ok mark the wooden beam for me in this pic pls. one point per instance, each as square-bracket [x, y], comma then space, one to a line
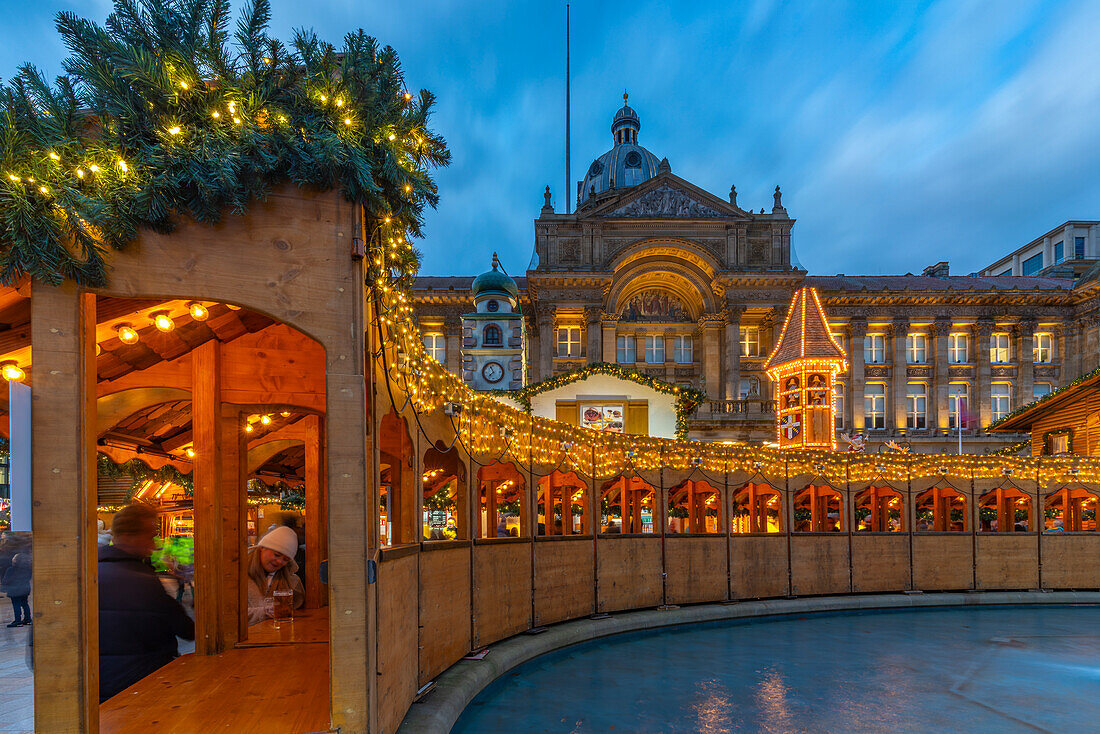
[207, 428]
[315, 512]
[63, 518]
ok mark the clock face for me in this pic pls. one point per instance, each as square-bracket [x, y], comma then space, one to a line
[492, 306]
[492, 372]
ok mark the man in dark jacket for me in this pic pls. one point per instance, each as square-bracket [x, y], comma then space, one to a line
[138, 621]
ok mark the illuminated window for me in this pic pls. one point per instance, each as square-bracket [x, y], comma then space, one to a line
[682, 346]
[874, 406]
[1000, 399]
[1041, 390]
[1000, 350]
[569, 341]
[491, 336]
[627, 352]
[839, 391]
[1044, 347]
[916, 405]
[874, 348]
[958, 347]
[436, 346]
[655, 349]
[958, 404]
[916, 349]
[750, 341]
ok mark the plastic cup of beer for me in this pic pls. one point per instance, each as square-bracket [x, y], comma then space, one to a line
[282, 604]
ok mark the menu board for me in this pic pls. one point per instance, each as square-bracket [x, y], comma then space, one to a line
[603, 417]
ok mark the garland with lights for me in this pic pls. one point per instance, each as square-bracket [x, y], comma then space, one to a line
[139, 473]
[163, 113]
[687, 398]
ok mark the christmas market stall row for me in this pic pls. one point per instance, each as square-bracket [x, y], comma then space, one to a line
[206, 250]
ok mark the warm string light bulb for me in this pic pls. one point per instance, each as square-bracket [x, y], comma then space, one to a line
[127, 334]
[163, 321]
[265, 420]
[190, 453]
[11, 371]
[198, 311]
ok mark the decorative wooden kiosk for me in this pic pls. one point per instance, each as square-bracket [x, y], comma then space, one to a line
[804, 365]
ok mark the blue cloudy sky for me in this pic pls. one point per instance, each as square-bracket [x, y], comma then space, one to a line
[902, 133]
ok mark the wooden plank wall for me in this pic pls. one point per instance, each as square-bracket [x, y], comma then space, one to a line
[397, 638]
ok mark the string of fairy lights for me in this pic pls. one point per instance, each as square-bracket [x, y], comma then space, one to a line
[489, 429]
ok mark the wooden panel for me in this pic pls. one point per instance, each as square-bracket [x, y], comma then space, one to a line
[444, 610]
[211, 489]
[567, 412]
[819, 564]
[564, 580]
[880, 562]
[1069, 561]
[1007, 561]
[502, 591]
[63, 474]
[696, 569]
[259, 689]
[397, 639]
[943, 562]
[758, 566]
[637, 417]
[628, 573]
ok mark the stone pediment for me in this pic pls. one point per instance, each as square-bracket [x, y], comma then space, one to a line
[667, 196]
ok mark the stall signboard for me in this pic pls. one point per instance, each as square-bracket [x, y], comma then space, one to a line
[437, 518]
[603, 417]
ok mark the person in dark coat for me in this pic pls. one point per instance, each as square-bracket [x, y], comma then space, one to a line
[16, 583]
[138, 621]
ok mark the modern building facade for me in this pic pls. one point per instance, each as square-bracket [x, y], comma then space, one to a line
[654, 273]
[1068, 250]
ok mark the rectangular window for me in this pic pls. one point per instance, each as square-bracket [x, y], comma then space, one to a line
[1043, 351]
[1040, 390]
[436, 346]
[1059, 253]
[874, 406]
[627, 351]
[750, 341]
[1033, 264]
[569, 341]
[1079, 248]
[958, 405]
[683, 349]
[1059, 444]
[1007, 272]
[958, 348]
[655, 349]
[916, 405]
[1000, 350]
[1000, 400]
[916, 349]
[874, 349]
[838, 396]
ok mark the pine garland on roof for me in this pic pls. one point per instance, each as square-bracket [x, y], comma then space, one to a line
[164, 112]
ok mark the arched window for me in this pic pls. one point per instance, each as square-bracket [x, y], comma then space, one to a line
[491, 336]
[817, 510]
[1071, 510]
[1004, 510]
[757, 508]
[879, 510]
[561, 504]
[940, 510]
[694, 507]
[628, 505]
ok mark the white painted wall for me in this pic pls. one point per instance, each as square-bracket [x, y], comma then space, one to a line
[662, 406]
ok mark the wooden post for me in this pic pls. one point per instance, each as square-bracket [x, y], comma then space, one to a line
[315, 511]
[232, 483]
[208, 495]
[66, 650]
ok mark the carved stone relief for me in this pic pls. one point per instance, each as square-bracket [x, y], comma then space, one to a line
[569, 251]
[665, 201]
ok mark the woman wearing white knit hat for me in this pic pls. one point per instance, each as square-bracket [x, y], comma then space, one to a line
[271, 568]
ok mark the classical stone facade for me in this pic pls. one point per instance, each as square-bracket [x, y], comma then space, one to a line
[689, 287]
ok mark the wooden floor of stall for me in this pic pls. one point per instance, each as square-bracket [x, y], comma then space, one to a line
[281, 688]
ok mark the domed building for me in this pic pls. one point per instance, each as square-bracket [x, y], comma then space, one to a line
[655, 274]
[625, 165]
[492, 336]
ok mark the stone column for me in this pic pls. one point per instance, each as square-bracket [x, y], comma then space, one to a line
[899, 380]
[980, 337]
[710, 326]
[732, 367]
[940, 418]
[595, 336]
[855, 352]
[546, 341]
[610, 323]
[1025, 370]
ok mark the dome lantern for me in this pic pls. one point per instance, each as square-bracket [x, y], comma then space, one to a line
[625, 165]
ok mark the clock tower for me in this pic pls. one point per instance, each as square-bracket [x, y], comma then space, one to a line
[493, 335]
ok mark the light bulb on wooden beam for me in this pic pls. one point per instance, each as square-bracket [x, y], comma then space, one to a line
[11, 371]
[127, 334]
[198, 311]
[163, 321]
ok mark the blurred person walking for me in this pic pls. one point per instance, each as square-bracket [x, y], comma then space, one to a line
[16, 583]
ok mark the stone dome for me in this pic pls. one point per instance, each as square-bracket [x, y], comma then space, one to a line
[495, 282]
[627, 164]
